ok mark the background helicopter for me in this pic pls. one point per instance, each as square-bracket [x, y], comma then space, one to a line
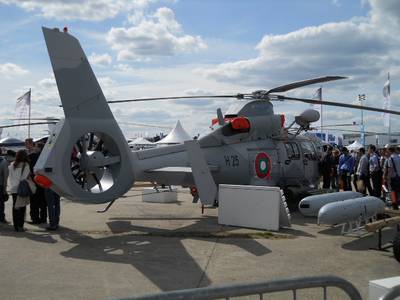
[87, 157]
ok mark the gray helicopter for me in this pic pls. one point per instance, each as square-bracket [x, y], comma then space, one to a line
[87, 158]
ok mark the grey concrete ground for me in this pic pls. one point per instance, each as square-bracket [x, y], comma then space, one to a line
[139, 248]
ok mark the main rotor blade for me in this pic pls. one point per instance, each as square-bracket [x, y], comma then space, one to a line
[353, 131]
[34, 119]
[297, 84]
[27, 124]
[240, 96]
[331, 103]
[336, 125]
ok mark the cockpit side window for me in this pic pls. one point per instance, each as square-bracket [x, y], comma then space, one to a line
[292, 150]
[296, 151]
[308, 151]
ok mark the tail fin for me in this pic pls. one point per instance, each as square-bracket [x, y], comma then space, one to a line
[86, 157]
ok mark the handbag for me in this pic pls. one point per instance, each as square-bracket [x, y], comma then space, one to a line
[21, 201]
[24, 189]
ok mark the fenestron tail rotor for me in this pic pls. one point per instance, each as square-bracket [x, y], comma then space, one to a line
[91, 163]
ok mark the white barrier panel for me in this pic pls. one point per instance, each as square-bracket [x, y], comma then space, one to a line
[249, 206]
[165, 195]
[378, 288]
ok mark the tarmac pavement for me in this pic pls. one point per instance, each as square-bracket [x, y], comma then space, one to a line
[140, 248]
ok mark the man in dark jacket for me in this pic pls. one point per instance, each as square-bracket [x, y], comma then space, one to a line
[38, 206]
[375, 171]
[326, 168]
[3, 182]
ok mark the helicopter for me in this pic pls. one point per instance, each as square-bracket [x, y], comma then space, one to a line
[87, 158]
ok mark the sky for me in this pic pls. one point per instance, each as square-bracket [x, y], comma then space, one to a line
[159, 48]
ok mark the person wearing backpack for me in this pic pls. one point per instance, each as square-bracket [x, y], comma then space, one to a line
[375, 171]
[345, 168]
[392, 174]
[17, 172]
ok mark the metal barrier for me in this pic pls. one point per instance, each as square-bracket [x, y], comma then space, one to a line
[261, 288]
[392, 294]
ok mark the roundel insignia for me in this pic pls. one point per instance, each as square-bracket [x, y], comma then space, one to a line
[262, 165]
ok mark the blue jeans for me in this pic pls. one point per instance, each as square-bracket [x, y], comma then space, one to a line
[2, 214]
[53, 206]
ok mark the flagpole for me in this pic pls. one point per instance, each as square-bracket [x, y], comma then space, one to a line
[390, 119]
[321, 107]
[29, 115]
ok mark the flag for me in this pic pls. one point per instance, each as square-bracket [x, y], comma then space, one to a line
[386, 102]
[22, 105]
[318, 107]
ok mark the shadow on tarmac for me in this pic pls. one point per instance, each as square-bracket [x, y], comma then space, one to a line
[43, 237]
[370, 241]
[334, 230]
[159, 254]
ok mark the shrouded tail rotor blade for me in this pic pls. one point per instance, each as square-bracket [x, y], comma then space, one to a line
[79, 145]
[97, 181]
[84, 142]
[339, 104]
[99, 145]
[76, 167]
[91, 140]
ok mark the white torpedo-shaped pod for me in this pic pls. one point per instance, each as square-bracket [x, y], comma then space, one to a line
[310, 206]
[350, 210]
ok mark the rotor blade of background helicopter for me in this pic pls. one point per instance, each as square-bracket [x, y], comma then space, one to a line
[297, 84]
[176, 98]
[331, 103]
[145, 125]
[27, 124]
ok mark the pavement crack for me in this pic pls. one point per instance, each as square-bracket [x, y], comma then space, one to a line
[208, 262]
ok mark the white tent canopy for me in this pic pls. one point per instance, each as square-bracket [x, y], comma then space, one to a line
[354, 146]
[177, 135]
[140, 141]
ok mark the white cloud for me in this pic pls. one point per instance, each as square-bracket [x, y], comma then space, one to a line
[359, 48]
[10, 70]
[124, 68]
[157, 35]
[88, 10]
[387, 12]
[102, 60]
[108, 85]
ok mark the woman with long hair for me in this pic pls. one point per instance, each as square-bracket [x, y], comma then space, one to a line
[18, 171]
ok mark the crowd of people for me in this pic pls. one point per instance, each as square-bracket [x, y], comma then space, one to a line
[373, 171]
[17, 168]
